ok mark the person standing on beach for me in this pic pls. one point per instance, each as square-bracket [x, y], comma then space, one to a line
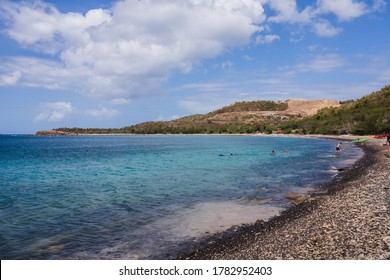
[388, 139]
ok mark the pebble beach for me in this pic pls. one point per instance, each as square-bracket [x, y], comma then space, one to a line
[349, 218]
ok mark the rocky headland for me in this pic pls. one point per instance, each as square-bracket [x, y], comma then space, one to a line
[53, 133]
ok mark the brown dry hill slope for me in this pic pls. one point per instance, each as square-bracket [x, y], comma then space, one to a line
[304, 107]
[294, 108]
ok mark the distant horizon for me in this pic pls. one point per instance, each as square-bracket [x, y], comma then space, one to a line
[107, 63]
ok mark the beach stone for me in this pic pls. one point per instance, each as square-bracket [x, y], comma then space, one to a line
[386, 256]
[386, 240]
[361, 257]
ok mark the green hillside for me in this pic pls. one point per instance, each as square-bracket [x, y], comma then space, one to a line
[367, 115]
[250, 106]
[240, 117]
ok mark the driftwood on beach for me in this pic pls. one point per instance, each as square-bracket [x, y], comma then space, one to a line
[348, 219]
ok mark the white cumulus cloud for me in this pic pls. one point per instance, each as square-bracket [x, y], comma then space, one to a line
[316, 14]
[324, 28]
[45, 29]
[129, 49]
[287, 11]
[266, 39]
[344, 9]
[54, 112]
[133, 47]
[10, 79]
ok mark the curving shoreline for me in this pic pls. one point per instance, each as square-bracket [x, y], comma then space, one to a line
[349, 218]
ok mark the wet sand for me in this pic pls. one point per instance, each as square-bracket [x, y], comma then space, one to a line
[349, 218]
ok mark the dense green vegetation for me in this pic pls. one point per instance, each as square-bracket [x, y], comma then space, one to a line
[368, 115]
[250, 106]
[195, 128]
[77, 130]
[201, 123]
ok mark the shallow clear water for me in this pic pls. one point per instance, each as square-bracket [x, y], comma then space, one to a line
[142, 196]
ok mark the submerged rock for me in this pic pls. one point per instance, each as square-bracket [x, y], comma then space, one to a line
[296, 198]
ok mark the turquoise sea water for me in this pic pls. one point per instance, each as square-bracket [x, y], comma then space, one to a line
[140, 197]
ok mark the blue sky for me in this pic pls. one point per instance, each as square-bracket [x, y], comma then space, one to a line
[116, 63]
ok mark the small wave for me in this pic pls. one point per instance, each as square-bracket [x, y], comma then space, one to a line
[6, 202]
